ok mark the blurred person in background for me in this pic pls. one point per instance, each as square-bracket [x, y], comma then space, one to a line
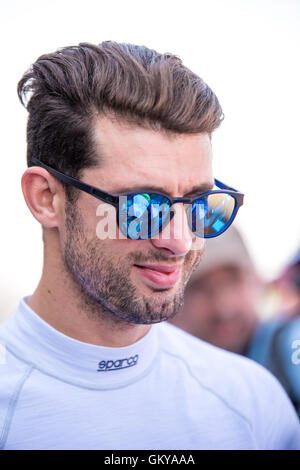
[222, 306]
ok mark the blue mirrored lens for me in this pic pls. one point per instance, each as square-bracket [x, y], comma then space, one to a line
[143, 215]
[212, 215]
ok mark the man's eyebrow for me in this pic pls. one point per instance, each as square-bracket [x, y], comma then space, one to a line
[202, 188]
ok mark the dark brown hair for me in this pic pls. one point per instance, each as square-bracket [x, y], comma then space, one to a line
[63, 92]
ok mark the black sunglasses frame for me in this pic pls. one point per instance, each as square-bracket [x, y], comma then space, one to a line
[113, 199]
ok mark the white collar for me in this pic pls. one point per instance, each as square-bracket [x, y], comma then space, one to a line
[88, 365]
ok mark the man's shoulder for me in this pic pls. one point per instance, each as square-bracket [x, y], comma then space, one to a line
[13, 374]
[214, 365]
[200, 353]
[12, 367]
[243, 385]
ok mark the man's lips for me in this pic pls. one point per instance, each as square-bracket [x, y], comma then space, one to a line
[160, 267]
[160, 275]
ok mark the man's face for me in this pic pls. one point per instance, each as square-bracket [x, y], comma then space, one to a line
[219, 307]
[109, 272]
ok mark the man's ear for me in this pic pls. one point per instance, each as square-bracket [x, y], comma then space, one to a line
[43, 195]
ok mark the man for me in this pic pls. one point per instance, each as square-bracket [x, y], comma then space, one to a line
[91, 362]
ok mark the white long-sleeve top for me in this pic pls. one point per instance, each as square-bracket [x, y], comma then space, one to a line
[169, 390]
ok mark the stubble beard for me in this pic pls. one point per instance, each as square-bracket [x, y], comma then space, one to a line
[105, 285]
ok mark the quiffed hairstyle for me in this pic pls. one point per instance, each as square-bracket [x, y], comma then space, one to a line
[64, 92]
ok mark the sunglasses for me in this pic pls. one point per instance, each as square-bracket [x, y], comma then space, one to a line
[142, 215]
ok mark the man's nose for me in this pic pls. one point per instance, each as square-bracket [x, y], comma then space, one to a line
[176, 235]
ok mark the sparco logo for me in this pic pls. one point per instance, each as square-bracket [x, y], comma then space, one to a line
[104, 366]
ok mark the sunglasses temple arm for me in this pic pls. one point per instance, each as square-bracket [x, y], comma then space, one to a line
[221, 185]
[103, 196]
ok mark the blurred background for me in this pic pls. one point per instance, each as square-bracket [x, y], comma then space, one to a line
[248, 53]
